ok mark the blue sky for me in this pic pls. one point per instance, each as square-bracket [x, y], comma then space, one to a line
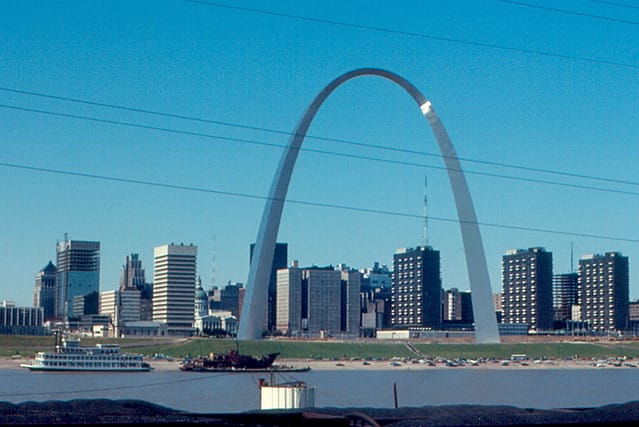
[555, 112]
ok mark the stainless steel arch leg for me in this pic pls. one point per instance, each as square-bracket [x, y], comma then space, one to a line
[254, 308]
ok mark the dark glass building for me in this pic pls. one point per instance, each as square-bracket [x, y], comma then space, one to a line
[44, 293]
[526, 277]
[78, 264]
[564, 295]
[417, 289]
[604, 291]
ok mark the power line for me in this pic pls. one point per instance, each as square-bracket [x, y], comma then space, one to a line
[413, 34]
[320, 138]
[304, 202]
[106, 389]
[614, 3]
[315, 150]
[569, 12]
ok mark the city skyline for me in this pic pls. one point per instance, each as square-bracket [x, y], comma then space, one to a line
[541, 112]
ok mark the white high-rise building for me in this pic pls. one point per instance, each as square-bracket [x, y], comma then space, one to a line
[174, 274]
[108, 304]
[289, 300]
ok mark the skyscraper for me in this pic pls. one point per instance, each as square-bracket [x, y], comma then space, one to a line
[45, 290]
[564, 295]
[526, 277]
[78, 273]
[132, 274]
[289, 300]
[174, 276]
[280, 260]
[316, 300]
[350, 320]
[321, 290]
[417, 288]
[603, 291]
[132, 279]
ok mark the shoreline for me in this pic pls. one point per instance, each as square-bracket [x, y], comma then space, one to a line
[8, 363]
[100, 412]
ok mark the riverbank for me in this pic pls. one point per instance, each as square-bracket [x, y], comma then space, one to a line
[117, 412]
[405, 364]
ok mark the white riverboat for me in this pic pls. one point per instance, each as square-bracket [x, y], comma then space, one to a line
[70, 356]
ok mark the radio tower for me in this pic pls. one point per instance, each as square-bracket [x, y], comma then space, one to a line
[425, 231]
[213, 266]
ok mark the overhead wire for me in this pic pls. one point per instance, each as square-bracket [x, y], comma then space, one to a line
[614, 3]
[412, 34]
[317, 204]
[568, 12]
[321, 138]
[102, 389]
[309, 203]
[313, 150]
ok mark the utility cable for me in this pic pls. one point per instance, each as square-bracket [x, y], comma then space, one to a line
[569, 12]
[614, 3]
[413, 34]
[307, 203]
[321, 138]
[105, 389]
[314, 150]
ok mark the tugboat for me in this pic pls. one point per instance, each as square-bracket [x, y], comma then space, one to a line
[233, 361]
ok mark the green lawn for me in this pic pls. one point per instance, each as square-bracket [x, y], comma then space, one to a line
[28, 345]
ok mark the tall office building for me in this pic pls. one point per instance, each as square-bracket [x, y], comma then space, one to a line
[564, 295]
[526, 277]
[350, 320]
[121, 307]
[321, 288]
[133, 278]
[108, 305]
[316, 300]
[604, 291]
[44, 293]
[174, 276]
[417, 288]
[132, 274]
[280, 260]
[458, 307]
[16, 320]
[78, 264]
[289, 300]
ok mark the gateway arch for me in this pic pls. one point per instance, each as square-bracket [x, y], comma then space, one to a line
[254, 306]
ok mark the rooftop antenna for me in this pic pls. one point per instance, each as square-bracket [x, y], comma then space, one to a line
[572, 262]
[213, 265]
[425, 231]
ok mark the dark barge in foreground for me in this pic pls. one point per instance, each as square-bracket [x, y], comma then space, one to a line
[236, 362]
